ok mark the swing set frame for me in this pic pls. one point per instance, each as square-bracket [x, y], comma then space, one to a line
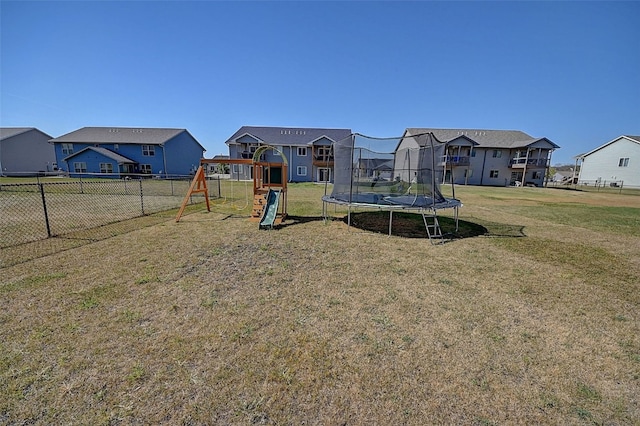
[261, 180]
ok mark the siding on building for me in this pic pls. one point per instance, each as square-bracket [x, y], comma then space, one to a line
[25, 150]
[617, 160]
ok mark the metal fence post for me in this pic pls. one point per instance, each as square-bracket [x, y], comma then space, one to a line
[44, 207]
[141, 197]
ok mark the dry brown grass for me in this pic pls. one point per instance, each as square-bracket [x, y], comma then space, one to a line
[211, 321]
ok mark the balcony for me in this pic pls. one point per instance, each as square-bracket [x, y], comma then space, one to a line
[248, 155]
[522, 162]
[454, 160]
[321, 160]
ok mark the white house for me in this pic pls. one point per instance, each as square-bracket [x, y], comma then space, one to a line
[617, 161]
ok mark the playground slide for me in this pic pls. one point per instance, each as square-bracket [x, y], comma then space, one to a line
[271, 209]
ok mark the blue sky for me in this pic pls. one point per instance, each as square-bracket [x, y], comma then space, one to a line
[568, 71]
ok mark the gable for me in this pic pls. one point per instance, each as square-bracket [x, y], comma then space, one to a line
[9, 132]
[120, 159]
[323, 140]
[620, 139]
[462, 140]
[247, 138]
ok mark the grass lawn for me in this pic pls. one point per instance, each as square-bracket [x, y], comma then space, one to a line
[531, 315]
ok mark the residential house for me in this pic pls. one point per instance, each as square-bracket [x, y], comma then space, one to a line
[122, 151]
[25, 151]
[563, 176]
[307, 150]
[490, 157]
[617, 162]
[218, 166]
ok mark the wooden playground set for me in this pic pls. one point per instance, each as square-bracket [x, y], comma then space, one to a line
[269, 187]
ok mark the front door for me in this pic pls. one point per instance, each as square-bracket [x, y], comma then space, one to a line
[324, 174]
[516, 177]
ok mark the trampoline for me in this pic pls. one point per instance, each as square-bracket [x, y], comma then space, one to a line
[402, 173]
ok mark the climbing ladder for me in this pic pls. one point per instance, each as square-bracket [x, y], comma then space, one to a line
[259, 203]
[432, 225]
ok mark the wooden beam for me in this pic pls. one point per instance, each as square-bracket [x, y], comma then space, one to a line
[198, 184]
[226, 161]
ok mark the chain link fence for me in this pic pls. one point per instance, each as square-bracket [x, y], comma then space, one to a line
[47, 217]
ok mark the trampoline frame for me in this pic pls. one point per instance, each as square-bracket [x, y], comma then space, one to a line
[425, 212]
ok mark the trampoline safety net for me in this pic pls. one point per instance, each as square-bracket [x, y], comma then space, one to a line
[403, 172]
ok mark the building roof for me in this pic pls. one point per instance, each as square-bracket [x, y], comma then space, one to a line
[484, 138]
[120, 135]
[9, 132]
[220, 157]
[635, 139]
[121, 159]
[289, 135]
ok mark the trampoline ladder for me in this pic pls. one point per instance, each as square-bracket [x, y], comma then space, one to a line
[433, 228]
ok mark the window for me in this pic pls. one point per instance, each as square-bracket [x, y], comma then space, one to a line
[80, 167]
[537, 175]
[116, 147]
[493, 174]
[302, 152]
[106, 168]
[148, 150]
[145, 168]
[624, 162]
[301, 170]
[324, 153]
[497, 154]
[468, 173]
[67, 148]
[473, 153]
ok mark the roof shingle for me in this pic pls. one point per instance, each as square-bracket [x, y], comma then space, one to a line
[121, 135]
[289, 135]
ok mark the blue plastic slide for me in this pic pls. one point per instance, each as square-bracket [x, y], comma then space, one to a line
[270, 210]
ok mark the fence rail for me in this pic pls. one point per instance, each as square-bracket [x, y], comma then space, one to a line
[596, 185]
[36, 211]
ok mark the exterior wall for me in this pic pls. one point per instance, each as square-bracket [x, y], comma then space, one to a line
[406, 155]
[483, 163]
[603, 163]
[299, 163]
[28, 152]
[293, 159]
[183, 154]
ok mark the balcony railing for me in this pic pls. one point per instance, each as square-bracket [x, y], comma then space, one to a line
[455, 160]
[323, 158]
[247, 155]
[521, 162]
